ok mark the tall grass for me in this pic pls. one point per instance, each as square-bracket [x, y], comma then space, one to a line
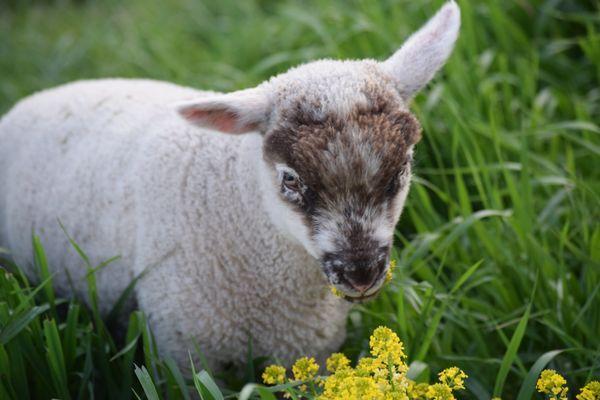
[54, 348]
[499, 246]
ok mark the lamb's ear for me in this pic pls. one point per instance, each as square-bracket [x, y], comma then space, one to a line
[237, 112]
[425, 51]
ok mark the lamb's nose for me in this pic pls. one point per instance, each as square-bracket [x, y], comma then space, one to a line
[361, 287]
[364, 275]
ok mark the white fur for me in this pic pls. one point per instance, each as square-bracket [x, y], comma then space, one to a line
[288, 222]
[198, 210]
[187, 204]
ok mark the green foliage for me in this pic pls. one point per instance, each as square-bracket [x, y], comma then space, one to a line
[57, 349]
[505, 195]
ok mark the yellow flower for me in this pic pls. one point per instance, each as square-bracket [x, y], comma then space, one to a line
[453, 377]
[349, 387]
[366, 366]
[380, 377]
[362, 388]
[305, 368]
[336, 292]
[417, 391]
[552, 384]
[591, 391]
[439, 391]
[386, 346]
[337, 361]
[390, 272]
[333, 384]
[274, 375]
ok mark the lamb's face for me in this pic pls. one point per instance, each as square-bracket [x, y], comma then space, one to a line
[338, 142]
[340, 174]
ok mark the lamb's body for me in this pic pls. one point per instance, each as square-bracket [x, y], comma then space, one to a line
[240, 233]
[127, 176]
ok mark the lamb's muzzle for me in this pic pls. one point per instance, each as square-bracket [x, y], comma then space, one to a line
[358, 273]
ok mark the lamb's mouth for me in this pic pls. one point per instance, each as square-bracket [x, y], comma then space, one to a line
[362, 298]
[369, 294]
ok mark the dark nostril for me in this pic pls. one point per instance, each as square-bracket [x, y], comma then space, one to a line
[362, 279]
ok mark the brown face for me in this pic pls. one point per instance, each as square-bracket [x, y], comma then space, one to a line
[347, 179]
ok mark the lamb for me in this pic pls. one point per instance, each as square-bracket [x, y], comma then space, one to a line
[242, 213]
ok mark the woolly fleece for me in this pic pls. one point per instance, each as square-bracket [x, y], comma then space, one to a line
[125, 175]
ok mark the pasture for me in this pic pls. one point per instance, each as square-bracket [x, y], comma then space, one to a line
[498, 249]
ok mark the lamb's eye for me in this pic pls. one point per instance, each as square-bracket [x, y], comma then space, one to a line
[290, 181]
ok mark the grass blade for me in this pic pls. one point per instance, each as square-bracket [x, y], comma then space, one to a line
[14, 327]
[206, 386]
[173, 369]
[249, 389]
[147, 383]
[56, 359]
[511, 353]
[42, 263]
[435, 321]
[131, 345]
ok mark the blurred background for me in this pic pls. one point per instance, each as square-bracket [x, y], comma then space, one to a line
[499, 246]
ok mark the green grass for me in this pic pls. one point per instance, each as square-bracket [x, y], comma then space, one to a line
[499, 246]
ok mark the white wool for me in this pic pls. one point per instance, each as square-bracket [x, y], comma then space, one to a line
[183, 202]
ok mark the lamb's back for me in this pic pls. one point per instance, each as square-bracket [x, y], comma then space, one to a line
[72, 154]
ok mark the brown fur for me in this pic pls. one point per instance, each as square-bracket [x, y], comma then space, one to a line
[303, 142]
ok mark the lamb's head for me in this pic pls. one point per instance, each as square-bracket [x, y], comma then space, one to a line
[337, 149]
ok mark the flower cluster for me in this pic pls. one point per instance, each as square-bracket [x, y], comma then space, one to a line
[305, 369]
[382, 376]
[274, 375]
[336, 362]
[591, 391]
[390, 272]
[453, 377]
[554, 386]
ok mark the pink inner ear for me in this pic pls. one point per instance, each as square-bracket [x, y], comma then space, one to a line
[222, 120]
